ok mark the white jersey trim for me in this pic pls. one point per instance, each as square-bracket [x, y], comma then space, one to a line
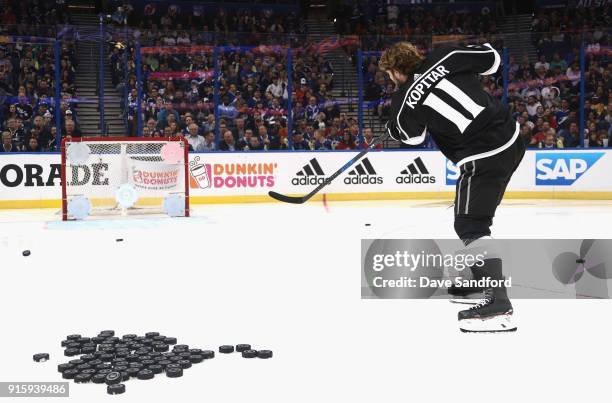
[492, 152]
[496, 62]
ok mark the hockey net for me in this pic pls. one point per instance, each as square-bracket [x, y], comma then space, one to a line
[124, 176]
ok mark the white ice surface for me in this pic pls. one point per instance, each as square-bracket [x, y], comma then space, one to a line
[287, 278]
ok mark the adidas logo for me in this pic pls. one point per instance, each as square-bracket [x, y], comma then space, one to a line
[363, 174]
[415, 172]
[310, 174]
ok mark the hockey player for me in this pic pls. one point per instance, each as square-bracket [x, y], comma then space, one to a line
[442, 95]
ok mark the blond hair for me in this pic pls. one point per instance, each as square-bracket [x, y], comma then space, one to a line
[403, 57]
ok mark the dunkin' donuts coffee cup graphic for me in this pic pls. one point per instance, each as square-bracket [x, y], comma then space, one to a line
[200, 177]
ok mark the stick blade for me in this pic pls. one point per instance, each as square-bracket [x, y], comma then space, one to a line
[286, 199]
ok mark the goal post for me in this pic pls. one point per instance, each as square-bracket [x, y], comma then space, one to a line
[124, 176]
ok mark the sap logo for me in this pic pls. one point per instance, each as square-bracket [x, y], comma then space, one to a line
[563, 169]
[452, 173]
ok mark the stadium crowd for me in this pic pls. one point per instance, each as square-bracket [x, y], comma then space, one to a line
[27, 78]
[253, 82]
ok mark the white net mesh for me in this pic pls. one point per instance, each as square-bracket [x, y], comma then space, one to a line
[97, 169]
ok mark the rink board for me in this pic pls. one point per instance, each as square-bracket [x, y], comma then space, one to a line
[33, 180]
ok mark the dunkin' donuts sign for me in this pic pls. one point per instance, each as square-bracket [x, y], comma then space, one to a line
[231, 175]
[153, 175]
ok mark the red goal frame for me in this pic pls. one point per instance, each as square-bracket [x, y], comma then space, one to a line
[118, 140]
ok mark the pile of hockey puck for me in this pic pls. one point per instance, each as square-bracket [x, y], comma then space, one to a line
[107, 359]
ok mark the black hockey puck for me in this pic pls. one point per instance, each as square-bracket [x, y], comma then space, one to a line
[71, 352]
[264, 353]
[156, 368]
[113, 378]
[41, 357]
[26, 252]
[242, 347]
[105, 371]
[173, 365]
[98, 378]
[184, 364]
[115, 389]
[196, 358]
[146, 363]
[226, 349]
[164, 363]
[107, 333]
[73, 337]
[83, 367]
[89, 371]
[180, 347]
[70, 373]
[132, 372]
[82, 378]
[145, 374]
[170, 340]
[367, 224]
[88, 350]
[64, 367]
[174, 372]
[208, 354]
[150, 335]
[97, 339]
[88, 357]
[119, 239]
[249, 353]
[129, 336]
[77, 361]
[160, 347]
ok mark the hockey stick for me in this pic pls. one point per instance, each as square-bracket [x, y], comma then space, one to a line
[305, 198]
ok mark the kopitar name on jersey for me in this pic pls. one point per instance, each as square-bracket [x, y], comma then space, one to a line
[415, 172]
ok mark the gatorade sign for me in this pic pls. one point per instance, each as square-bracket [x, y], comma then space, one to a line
[563, 169]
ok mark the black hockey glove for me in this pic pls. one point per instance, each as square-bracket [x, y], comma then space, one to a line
[395, 133]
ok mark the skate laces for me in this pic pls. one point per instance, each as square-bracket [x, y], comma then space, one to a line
[486, 300]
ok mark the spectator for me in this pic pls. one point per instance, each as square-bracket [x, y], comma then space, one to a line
[228, 143]
[347, 142]
[320, 141]
[209, 142]
[550, 140]
[193, 138]
[368, 139]
[255, 144]
[269, 142]
[299, 143]
[33, 145]
[70, 129]
[15, 128]
[7, 143]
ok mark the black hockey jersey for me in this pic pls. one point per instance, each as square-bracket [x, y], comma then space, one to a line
[446, 99]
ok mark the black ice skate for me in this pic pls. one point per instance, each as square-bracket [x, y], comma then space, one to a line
[465, 295]
[492, 314]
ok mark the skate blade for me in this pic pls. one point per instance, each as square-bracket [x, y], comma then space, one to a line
[494, 324]
[465, 301]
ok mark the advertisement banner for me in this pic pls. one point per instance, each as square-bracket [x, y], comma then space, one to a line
[241, 176]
